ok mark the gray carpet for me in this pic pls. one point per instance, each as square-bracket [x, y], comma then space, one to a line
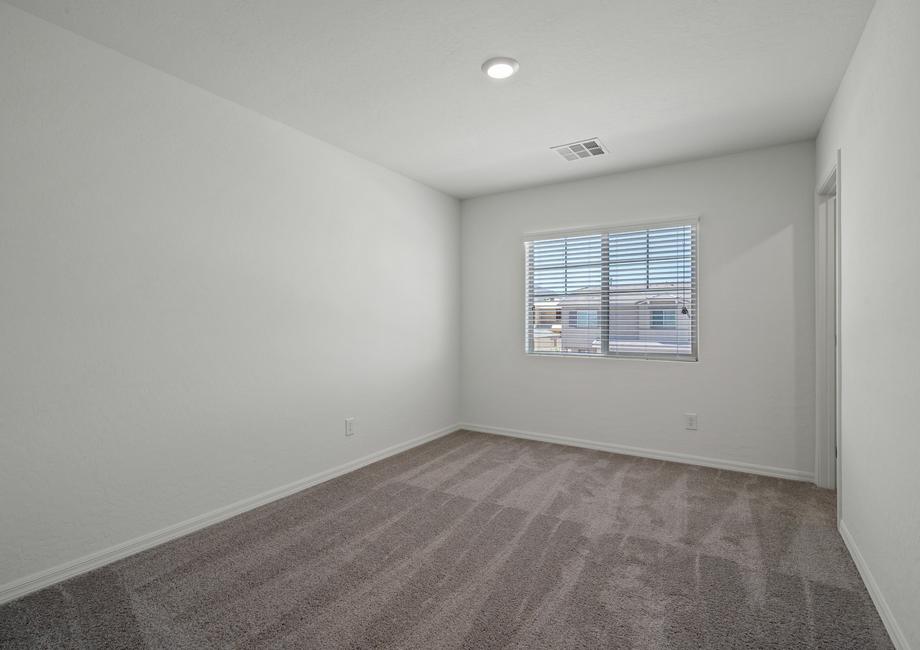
[479, 541]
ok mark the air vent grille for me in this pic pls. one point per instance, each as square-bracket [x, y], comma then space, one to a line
[582, 149]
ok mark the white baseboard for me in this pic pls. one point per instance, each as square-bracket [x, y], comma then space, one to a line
[898, 638]
[735, 466]
[22, 586]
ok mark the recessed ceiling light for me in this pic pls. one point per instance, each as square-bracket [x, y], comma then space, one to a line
[500, 67]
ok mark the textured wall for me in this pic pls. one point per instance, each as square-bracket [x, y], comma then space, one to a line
[873, 121]
[753, 387]
[193, 297]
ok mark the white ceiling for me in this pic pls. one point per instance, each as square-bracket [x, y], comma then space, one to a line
[399, 81]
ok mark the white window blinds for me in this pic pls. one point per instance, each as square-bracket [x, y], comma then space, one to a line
[619, 292]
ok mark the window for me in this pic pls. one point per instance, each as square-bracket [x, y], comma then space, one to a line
[624, 292]
[583, 319]
[663, 319]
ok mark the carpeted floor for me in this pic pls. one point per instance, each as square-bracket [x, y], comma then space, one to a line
[479, 541]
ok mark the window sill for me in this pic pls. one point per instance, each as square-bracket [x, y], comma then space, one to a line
[617, 357]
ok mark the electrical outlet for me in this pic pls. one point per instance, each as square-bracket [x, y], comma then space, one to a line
[349, 426]
[690, 421]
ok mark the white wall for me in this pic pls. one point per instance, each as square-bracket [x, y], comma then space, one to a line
[875, 121]
[193, 297]
[753, 387]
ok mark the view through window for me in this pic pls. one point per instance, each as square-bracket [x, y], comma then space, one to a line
[617, 292]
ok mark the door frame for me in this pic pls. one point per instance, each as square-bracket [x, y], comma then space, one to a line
[828, 443]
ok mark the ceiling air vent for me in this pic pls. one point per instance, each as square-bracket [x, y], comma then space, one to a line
[582, 149]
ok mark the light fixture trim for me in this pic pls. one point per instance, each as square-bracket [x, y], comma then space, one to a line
[500, 67]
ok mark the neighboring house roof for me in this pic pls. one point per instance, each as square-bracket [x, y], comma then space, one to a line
[544, 292]
[584, 296]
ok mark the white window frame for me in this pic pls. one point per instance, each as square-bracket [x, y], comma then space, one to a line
[530, 237]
